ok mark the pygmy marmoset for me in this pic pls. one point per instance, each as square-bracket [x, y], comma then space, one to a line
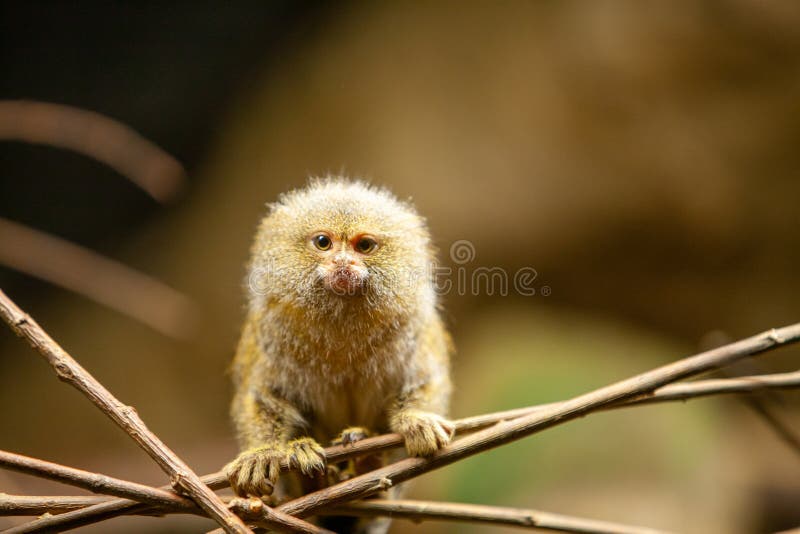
[343, 336]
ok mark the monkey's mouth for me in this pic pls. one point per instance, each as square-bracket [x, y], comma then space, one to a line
[345, 281]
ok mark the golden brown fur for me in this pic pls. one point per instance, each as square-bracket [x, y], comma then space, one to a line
[313, 360]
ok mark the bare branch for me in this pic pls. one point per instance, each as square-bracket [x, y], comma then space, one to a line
[506, 432]
[98, 278]
[21, 505]
[95, 513]
[425, 510]
[100, 509]
[26, 505]
[704, 388]
[17, 505]
[672, 392]
[68, 370]
[255, 509]
[96, 136]
[94, 482]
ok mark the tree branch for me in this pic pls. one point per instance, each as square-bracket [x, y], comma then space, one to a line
[94, 482]
[21, 505]
[668, 393]
[96, 509]
[425, 510]
[16, 505]
[255, 509]
[641, 385]
[95, 513]
[70, 371]
[672, 392]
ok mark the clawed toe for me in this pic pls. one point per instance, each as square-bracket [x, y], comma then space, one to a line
[351, 435]
[306, 455]
[255, 471]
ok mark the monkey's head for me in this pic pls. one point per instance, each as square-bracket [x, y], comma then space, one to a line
[339, 241]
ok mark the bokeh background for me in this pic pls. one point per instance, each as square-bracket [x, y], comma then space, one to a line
[641, 156]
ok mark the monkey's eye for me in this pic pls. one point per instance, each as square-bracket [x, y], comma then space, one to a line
[321, 241]
[366, 245]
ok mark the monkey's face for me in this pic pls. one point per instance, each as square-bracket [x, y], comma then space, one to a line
[342, 243]
[341, 265]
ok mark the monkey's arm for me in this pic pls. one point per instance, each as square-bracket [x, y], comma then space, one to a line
[418, 411]
[265, 424]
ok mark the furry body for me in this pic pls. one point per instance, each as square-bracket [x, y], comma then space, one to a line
[337, 337]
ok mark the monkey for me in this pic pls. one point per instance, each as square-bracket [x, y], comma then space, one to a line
[343, 336]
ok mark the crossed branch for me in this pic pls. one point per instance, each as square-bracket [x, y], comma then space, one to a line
[189, 493]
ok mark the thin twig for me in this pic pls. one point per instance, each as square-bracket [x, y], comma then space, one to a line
[96, 136]
[93, 482]
[506, 432]
[21, 505]
[78, 518]
[337, 453]
[68, 370]
[18, 505]
[100, 509]
[426, 510]
[103, 280]
[256, 510]
[671, 392]
[91, 514]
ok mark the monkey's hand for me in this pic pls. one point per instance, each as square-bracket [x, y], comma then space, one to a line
[424, 432]
[255, 471]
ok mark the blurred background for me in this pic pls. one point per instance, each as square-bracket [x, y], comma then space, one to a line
[642, 157]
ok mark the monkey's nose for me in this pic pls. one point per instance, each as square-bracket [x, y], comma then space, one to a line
[345, 280]
[342, 260]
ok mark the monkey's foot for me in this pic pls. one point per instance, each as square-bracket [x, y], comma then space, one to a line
[350, 435]
[306, 455]
[424, 432]
[255, 471]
